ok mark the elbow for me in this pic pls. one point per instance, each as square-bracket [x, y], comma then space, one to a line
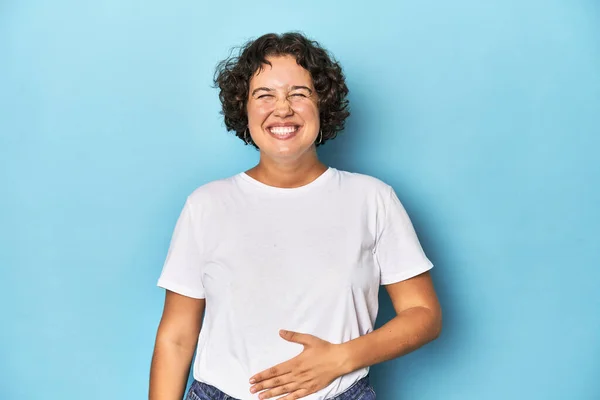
[438, 325]
[437, 330]
[435, 323]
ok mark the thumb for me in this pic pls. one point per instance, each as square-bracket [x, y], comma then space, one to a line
[296, 337]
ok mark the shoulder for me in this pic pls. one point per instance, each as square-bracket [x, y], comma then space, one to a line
[212, 191]
[366, 184]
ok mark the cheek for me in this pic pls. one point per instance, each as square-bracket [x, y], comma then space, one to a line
[308, 112]
[257, 113]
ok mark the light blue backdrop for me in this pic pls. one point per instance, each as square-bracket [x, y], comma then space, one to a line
[484, 116]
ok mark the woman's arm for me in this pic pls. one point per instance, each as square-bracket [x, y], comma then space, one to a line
[176, 341]
[418, 321]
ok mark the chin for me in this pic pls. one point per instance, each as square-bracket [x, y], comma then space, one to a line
[289, 151]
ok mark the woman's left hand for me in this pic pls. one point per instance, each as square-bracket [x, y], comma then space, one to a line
[310, 371]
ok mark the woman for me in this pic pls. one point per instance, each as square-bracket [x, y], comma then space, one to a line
[287, 258]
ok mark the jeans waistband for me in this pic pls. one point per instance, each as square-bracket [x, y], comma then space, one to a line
[204, 391]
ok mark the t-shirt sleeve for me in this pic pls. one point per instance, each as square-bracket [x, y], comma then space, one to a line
[182, 270]
[398, 252]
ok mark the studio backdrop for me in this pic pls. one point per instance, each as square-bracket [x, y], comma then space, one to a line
[483, 116]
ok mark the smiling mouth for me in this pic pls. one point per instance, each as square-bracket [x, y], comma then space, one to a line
[283, 130]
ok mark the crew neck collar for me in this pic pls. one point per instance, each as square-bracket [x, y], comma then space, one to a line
[314, 183]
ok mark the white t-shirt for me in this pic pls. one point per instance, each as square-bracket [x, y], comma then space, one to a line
[307, 259]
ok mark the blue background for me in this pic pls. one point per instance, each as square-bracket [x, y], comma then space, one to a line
[483, 115]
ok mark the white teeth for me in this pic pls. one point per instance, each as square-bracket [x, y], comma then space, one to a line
[283, 130]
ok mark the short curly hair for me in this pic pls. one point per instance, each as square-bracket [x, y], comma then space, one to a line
[232, 78]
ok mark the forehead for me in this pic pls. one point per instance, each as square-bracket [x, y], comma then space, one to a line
[283, 72]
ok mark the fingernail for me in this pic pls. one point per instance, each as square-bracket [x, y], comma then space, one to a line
[252, 381]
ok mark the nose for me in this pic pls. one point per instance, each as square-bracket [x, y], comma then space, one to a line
[283, 107]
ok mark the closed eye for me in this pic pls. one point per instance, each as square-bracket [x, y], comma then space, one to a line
[264, 95]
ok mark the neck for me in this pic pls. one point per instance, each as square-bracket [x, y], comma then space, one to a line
[288, 173]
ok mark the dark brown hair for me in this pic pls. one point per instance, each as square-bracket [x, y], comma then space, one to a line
[233, 75]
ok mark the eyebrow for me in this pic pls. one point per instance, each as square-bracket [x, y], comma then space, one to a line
[271, 90]
[261, 88]
[302, 87]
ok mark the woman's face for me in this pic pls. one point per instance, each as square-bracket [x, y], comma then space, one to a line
[283, 112]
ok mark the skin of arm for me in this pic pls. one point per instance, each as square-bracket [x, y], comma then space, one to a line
[176, 340]
[418, 321]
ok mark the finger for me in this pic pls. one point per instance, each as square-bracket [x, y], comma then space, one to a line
[298, 394]
[296, 337]
[277, 382]
[278, 370]
[282, 389]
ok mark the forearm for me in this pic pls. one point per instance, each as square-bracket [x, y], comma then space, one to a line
[406, 332]
[169, 370]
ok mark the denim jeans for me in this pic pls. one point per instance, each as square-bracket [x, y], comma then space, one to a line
[361, 390]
